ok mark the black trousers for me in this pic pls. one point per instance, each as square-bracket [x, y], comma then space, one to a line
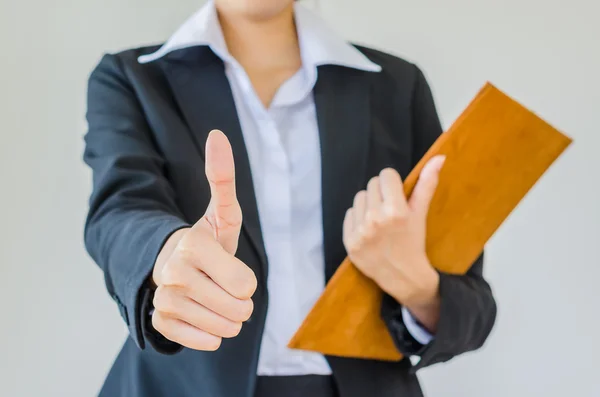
[296, 386]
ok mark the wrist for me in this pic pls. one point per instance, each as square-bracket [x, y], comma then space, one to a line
[423, 302]
[426, 292]
[423, 290]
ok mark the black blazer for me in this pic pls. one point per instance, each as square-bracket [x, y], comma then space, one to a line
[147, 129]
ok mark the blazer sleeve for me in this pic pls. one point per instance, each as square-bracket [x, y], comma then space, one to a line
[468, 308]
[132, 208]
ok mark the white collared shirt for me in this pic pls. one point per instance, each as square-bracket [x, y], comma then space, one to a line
[283, 147]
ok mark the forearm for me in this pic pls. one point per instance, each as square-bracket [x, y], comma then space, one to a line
[126, 244]
[427, 314]
[467, 315]
[467, 312]
[424, 303]
[133, 208]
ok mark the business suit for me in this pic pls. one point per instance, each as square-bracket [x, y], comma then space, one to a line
[148, 124]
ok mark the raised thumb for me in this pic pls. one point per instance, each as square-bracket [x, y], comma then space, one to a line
[224, 212]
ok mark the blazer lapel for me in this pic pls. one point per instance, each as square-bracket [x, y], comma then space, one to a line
[204, 95]
[342, 103]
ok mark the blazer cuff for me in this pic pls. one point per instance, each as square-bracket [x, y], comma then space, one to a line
[137, 292]
[151, 335]
[467, 314]
[420, 333]
[442, 348]
[405, 341]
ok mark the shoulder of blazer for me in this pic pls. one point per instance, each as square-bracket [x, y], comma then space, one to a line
[131, 55]
[129, 58]
[396, 72]
[124, 65]
[190, 56]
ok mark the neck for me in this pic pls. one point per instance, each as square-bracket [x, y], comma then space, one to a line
[267, 43]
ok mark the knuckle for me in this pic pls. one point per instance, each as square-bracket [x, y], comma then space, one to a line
[354, 247]
[367, 232]
[401, 216]
[175, 272]
[346, 239]
[158, 296]
[170, 274]
[394, 215]
[389, 172]
[373, 182]
[360, 196]
[349, 213]
[160, 325]
[157, 322]
[373, 219]
[186, 254]
[187, 244]
[164, 300]
[352, 251]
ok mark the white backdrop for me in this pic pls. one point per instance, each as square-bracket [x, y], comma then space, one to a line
[59, 329]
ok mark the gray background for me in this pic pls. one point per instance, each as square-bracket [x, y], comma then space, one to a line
[59, 329]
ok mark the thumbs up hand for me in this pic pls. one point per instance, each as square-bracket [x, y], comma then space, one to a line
[203, 291]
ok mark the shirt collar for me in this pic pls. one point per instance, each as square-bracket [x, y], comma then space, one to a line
[318, 44]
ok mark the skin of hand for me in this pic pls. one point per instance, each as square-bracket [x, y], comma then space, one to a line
[385, 235]
[203, 291]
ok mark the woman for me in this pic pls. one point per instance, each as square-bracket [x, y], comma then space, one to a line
[316, 136]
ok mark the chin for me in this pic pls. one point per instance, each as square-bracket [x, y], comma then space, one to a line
[254, 9]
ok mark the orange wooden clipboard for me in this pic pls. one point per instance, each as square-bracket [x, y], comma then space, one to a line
[496, 151]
